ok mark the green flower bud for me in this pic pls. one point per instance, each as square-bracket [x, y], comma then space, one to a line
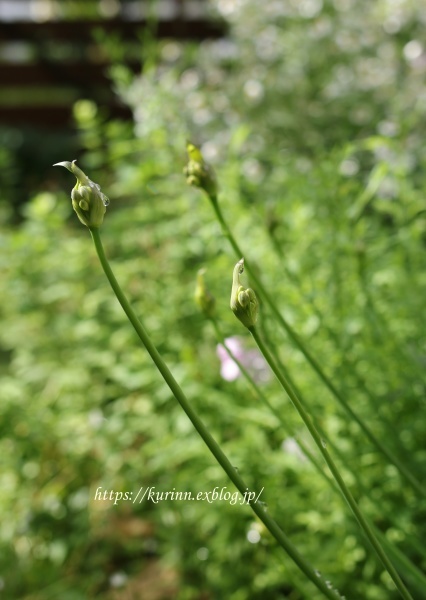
[203, 298]
[244, 303]
[87, 199]
[198, 172]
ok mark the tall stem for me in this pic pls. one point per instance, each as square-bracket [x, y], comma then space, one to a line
[416, 576]
[409, 477]
[322, 446]
[211, 443]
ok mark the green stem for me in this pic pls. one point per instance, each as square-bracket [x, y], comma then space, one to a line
[393, 518]
[321, 443]
[311, 359]
[415, 575]
[211, 443]
[246, 374]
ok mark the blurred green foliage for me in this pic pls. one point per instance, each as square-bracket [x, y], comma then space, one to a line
[313, 116]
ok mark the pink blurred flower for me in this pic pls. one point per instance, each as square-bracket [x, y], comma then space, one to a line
[251, 359]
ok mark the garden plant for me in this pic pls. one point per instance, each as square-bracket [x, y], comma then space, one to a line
[295, 372]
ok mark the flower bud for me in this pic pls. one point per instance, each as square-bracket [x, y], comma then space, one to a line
[198, 172]
[87, 199]
[204, 299]
[244, 303]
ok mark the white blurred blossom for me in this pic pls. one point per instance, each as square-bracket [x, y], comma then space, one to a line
[251, 359]
[290, 446]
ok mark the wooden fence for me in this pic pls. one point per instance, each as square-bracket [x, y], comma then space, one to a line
[38, 84]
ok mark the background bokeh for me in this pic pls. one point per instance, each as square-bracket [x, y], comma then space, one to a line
[312, 113]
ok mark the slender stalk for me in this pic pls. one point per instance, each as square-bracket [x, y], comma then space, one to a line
[249, 379]
[246, 374]
[416, 576]
[409, 477]
[211, 443]
[322, 446]
[393, 518]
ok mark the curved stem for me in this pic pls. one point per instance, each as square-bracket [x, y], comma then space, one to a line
[211, 443]
[416, 576]
[322, 446]
[409, 477]
[246, 374]
[393, 518]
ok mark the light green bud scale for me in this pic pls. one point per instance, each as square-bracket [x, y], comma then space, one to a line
[244, 303]
[87, 199]
[198, 172]
[203, 298]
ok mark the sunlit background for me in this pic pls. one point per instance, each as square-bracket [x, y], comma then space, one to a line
[312, 113]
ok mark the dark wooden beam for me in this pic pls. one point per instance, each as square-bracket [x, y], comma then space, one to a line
[57, 73]
[78, 30]
[54, 117]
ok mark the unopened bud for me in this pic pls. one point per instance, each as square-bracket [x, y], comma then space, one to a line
[244, 303]
[87, 199]
[204, 299]
[198, 172]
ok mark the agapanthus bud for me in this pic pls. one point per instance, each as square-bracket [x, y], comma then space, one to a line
[204, 299]
[198, 172]
[87, 199]
[244, 303]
